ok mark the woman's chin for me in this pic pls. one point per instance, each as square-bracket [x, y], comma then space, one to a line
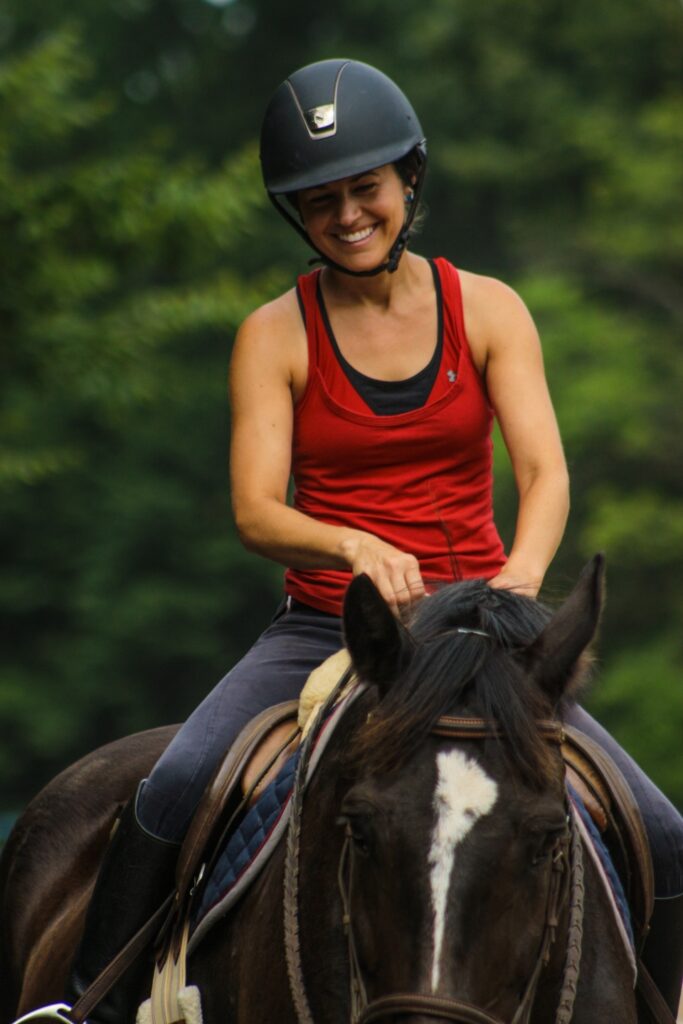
[358, 259]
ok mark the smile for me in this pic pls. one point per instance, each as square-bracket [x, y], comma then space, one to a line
[356, 236]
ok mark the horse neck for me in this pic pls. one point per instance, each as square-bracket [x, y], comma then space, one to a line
[605, 990]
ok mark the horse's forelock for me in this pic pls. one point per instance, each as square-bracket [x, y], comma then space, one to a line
[454, 671]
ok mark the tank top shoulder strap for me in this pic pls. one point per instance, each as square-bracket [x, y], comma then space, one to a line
[455, 337]
[306, 293]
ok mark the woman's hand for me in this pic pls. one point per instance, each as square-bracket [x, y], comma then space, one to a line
[395, 574]
[520, 582]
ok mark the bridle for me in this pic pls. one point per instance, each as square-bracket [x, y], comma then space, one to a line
[566, 881]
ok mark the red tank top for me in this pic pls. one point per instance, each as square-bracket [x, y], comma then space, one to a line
[420, 480]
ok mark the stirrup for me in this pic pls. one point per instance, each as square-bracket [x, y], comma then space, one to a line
[53, 1011]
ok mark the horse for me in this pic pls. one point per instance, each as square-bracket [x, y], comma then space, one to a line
[434, 840]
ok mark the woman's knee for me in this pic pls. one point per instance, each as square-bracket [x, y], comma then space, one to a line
[168, 799]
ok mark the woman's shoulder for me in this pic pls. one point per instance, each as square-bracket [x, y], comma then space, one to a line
[494, 312]
[488, 292]
[275, 329]
[279, 316]
[273, 335]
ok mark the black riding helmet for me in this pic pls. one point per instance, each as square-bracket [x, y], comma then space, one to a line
[332, 120]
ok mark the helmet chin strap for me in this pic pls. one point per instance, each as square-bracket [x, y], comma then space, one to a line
[397, 249]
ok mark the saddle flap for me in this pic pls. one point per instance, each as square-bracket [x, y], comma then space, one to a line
[625, 833]
[277, 746]
[224, 787]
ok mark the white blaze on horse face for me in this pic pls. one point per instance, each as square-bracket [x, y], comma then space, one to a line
[463, 794]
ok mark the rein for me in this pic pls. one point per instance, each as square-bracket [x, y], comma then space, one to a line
[566, 857]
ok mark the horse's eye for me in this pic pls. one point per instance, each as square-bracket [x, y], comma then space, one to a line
[544, 843]
[358, 830]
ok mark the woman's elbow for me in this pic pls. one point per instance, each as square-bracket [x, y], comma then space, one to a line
[258, 522]
[558, 489]
[562, 479]
[247, 521]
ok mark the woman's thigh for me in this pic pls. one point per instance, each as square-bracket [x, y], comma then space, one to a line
[273, 670]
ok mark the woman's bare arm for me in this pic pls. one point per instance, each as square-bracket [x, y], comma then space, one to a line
[267, 369]
[506, 345]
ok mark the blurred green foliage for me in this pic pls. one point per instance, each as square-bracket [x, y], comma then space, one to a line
[135, 237]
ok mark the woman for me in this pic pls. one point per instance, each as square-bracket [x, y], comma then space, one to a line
[374, 383]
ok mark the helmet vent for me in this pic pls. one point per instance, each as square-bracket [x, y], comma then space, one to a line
[321, 121]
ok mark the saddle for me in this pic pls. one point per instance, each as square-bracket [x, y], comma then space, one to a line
[254, 757]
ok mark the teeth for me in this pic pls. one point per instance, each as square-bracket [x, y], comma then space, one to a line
[357, 236]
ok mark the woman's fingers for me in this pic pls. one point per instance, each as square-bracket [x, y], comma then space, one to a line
[395, 573]
[407, 585]
[415, 584]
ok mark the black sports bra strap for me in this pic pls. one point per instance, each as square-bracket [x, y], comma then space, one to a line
[302, 307]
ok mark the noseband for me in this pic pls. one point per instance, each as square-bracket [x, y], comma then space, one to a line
[566, 875]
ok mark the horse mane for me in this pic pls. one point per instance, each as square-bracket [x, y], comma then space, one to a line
[454, 672]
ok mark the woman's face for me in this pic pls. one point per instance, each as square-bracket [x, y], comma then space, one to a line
[355, 221]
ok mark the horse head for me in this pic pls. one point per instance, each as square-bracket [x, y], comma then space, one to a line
[452, 843]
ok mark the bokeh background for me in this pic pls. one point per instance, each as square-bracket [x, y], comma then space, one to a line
[134, 236]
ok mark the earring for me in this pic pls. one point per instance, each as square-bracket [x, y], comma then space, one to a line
[410, 196]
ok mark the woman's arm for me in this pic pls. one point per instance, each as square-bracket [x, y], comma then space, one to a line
[268, 370]
[506, 346]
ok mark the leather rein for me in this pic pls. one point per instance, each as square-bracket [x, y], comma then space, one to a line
[566, 876]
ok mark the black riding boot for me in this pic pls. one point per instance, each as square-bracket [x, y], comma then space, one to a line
[663, 952]
[136, 875]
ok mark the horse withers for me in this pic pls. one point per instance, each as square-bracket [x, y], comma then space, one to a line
[436, 864]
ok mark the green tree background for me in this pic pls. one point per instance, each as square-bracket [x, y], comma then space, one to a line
[135, 237]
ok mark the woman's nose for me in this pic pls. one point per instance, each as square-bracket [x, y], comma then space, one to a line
[347, 210]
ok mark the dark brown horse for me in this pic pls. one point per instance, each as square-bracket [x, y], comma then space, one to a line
[454, 846]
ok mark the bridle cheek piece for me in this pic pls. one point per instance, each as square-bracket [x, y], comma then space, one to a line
[566, 876]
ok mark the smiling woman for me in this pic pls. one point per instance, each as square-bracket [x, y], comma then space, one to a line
[374, 383]
[364, 123]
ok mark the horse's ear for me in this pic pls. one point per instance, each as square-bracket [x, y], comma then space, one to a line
[379, 645]
[553, 658]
